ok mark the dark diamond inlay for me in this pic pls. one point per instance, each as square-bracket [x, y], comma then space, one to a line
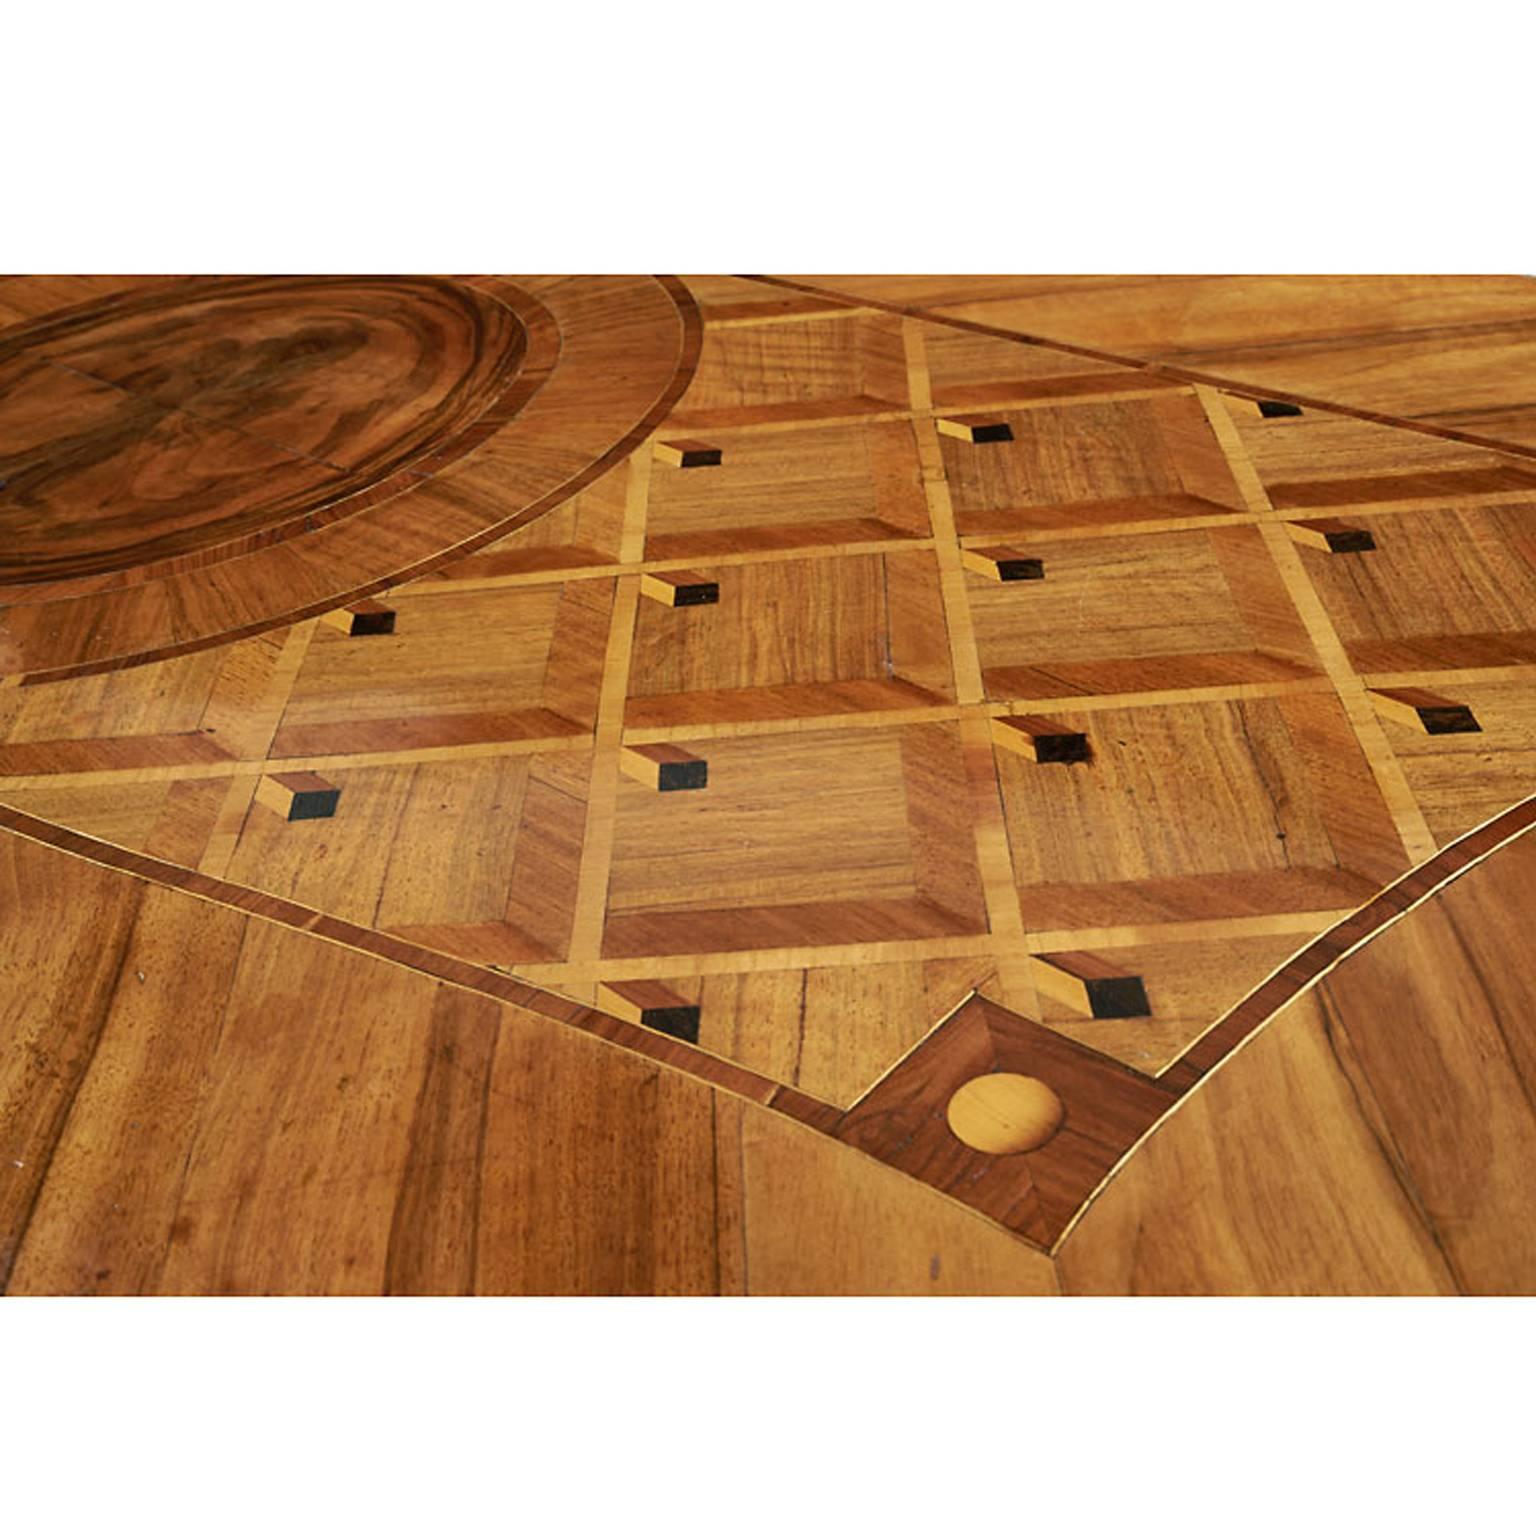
[313, 804]
[1351, 541]
[683, 775]
[1448, 719]
[681, 1023]
[1118, 997]
[1071, 747]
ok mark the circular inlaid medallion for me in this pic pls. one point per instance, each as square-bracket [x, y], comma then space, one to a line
[178, 417]
[190, 462]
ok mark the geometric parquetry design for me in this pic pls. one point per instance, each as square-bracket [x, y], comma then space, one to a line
[851, 891]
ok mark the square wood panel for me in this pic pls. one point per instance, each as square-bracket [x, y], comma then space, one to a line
[1198, 811]
[585, 531]
[1449, 587]
[161, 698]
[805, 838]
[841, 365]
[794, 638]
[1315, 460]
[968, 369]
[536, 672]
[785, 490]
[1461, 780]
[1105, 461]
[1140, 613]
[478, 856]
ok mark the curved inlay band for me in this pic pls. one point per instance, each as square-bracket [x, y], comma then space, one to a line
[178, 417]
[985, 1182]
[578, 372]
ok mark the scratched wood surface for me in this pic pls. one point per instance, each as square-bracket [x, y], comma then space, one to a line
[799, 693]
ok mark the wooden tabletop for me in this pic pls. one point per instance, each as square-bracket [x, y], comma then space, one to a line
[564, 784]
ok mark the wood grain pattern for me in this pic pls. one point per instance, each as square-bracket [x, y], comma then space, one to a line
[572, 413]
[229, 404]
[1450, 354]
[1390, 1113]
[863, 893]
[282, 1114]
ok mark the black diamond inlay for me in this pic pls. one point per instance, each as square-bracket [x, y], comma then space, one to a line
[1350, 541]
[693, 775]
[1070, 747]
[1118, 997]
[1448, 719]
[681, 1023]
[313, 804]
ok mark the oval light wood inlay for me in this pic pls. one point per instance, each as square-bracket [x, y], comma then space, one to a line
[1004, 1112]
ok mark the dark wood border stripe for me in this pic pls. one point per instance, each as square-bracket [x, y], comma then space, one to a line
[1319, 957]
[665, 1049]
[1154, 370]
[1208, 1052]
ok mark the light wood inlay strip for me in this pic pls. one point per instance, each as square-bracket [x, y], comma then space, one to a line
[1127, 528]
[1447, 677]
[746, 961]
[1215, 694]
[962, 947]
[1255, 497]
[636, 495]
[238, 800]
[1046, 941]
[941, 516]
[831, 310]
[1409, 820]
[603, 795]
[994, 861]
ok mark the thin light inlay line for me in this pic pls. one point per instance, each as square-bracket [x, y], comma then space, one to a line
[1407, 817]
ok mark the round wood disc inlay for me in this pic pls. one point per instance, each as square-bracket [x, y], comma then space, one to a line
[1003, 1112]
[193, 414]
